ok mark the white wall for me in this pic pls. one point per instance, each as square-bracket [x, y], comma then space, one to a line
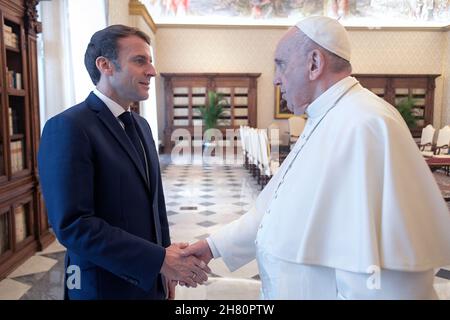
[118, 12]
[52, 87]
[149, 109]
[64, 79]
[251, 49]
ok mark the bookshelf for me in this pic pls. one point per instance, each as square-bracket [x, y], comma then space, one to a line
[24, 227]
[186, 92]
[395, 87]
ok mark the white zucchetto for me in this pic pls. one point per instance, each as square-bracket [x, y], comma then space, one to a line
[328, 33]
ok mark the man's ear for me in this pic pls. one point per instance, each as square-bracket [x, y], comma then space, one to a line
[316, 64]
[104, 65]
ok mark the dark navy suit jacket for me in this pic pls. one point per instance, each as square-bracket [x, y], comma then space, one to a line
[112, 220]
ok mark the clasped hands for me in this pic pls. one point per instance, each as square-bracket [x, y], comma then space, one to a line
[186, 264]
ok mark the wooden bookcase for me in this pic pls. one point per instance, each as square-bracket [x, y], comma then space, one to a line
[395, 87]
[24, 227]
[185, 92]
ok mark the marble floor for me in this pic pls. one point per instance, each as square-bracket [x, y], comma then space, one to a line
[201, 196]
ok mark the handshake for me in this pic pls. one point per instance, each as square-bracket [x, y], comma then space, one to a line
[186, 264]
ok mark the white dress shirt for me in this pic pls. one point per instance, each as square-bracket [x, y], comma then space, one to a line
[115, 108]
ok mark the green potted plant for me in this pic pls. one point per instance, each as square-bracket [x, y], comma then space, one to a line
[212, 111]
[405, 107]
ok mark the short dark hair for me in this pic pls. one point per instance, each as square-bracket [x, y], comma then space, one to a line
[104, 44]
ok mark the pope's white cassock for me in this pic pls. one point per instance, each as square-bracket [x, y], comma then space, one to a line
[353, 197]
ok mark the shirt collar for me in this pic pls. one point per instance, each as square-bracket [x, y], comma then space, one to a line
[113, 106]
[327, 99]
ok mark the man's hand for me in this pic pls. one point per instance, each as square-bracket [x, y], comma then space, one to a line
[187, 269]
[200, 249]
[170, 285]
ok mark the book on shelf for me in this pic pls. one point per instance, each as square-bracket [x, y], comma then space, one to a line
[20, 217]
[2, 164]
[18, 81]
[10, 117]
[14, 79]
[14, 121]
[16, 156]
[11, 39]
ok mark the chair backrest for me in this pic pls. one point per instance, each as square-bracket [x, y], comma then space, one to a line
[265, 152]
[427, 136]
[296, 125]
[273, 134]
[242, 136]
[253, 146]
[443, 140]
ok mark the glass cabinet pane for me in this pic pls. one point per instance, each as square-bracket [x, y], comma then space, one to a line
[2, 157]
[4, 233]
[17, 134]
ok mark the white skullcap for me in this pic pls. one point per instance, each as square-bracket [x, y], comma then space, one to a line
[328, 33]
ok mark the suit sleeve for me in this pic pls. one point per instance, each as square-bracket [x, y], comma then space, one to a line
[67, 169]
[163, 215]
[161, 201]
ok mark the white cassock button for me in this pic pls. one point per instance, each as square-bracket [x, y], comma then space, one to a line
[256, 241]
[260, 226]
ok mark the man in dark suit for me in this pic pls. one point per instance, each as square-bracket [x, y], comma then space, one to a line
[102, 186]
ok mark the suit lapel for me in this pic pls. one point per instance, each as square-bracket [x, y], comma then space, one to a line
[150, 150]
[153, 168]
[116, 130]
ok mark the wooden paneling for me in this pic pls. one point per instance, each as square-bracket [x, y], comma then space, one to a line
[394, 87]
[21, 205]
[185, 92]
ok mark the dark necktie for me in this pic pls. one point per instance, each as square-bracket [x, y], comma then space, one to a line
[132, 133]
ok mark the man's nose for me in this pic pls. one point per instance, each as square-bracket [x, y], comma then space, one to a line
[151, 71]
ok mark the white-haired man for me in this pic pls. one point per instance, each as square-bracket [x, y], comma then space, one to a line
[354, 212]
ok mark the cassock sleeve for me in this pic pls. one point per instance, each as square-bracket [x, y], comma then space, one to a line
[235, 242]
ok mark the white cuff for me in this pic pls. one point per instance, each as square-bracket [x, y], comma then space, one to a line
[213, 248]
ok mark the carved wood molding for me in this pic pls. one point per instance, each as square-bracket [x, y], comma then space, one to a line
[32, 25]
[136, 8]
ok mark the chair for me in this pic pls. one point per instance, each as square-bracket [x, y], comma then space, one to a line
[273, 133]
[252, 151]
[296, 126]
[243, 134]
[267, 165]
[426, 140]
[442, 143]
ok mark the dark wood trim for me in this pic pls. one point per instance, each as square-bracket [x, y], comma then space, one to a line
[391, 82]
[22, 186]
[17, 93]
[209, 81]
